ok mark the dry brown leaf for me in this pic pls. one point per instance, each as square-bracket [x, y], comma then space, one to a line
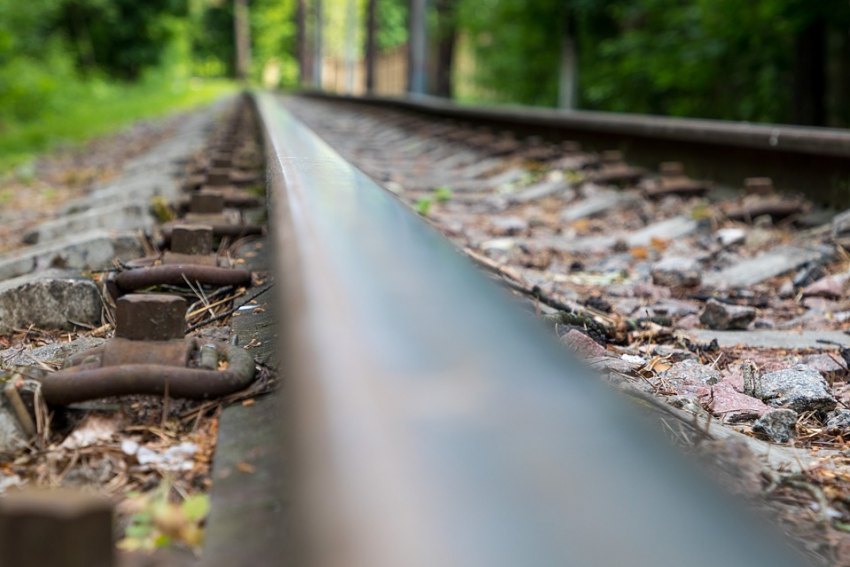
[581, 225]
[640, 253]
[659, 244]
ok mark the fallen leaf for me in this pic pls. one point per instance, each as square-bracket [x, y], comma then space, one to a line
[640, 253]
[246, 468]
[655, 365]
[659, 244]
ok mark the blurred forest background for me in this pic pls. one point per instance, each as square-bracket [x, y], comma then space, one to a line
[71, 67]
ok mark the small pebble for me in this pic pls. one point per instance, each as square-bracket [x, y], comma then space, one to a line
[722, 316]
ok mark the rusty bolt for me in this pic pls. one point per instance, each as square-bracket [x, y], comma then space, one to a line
[194, 239]
[570, 146]
[218, 176]
[60, 528]
[671, 169]
[612, 156]
[221, 160]
[206, 202]
[758, 185]
[150, 317]
[534, 141]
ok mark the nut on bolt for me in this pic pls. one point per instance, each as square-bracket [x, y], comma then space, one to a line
[671, 169]
[192, 239]
[758, 185]
[150, 317]
[218, 176]
[206, 202]
[610, 157]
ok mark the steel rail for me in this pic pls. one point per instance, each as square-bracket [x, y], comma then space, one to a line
[776, 137]
[812, 160]
[434, 423]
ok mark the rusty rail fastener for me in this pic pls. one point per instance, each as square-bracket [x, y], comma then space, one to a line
[56, 528]
[206, 202]
[234, 198]
[671, 169]
[177, 274]
[219, 230]
[218, 176]
[191, 244]
[221, 160]
[89, 381]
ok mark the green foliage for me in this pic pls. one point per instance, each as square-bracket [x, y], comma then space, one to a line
[121, 38]
[443, 194]
[70, 69]
[685, 59]
[517, 46]
[392, 24]
[212, 37]
[706, 58]
[87, 109]
[159, 523]
[423, 206]
[273, 42]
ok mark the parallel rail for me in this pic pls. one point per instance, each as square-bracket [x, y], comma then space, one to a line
[808, 160]
[432, 423]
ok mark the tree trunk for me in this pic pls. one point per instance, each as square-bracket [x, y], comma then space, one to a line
[371, 44]
[838, 77]
[417, 53]
[301, 40]
[446, 41]
[242, 34]
[810, 75]
[350, 44]
[568, 75]
[317, 45]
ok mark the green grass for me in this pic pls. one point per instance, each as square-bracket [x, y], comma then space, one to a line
[95, 109]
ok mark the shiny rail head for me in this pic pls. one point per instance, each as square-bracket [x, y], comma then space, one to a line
[435, 424]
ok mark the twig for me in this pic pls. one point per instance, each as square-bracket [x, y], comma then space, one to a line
[215, 294]
[212, 305]
[199, 292]
[815, 491]
[229, 312]
[165, 404]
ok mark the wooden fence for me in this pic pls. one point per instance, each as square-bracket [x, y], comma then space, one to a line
[390, 74]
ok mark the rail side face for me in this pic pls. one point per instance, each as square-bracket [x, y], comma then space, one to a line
[811, 161]
[434, 424]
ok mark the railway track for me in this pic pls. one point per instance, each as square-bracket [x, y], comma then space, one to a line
[421, 417]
